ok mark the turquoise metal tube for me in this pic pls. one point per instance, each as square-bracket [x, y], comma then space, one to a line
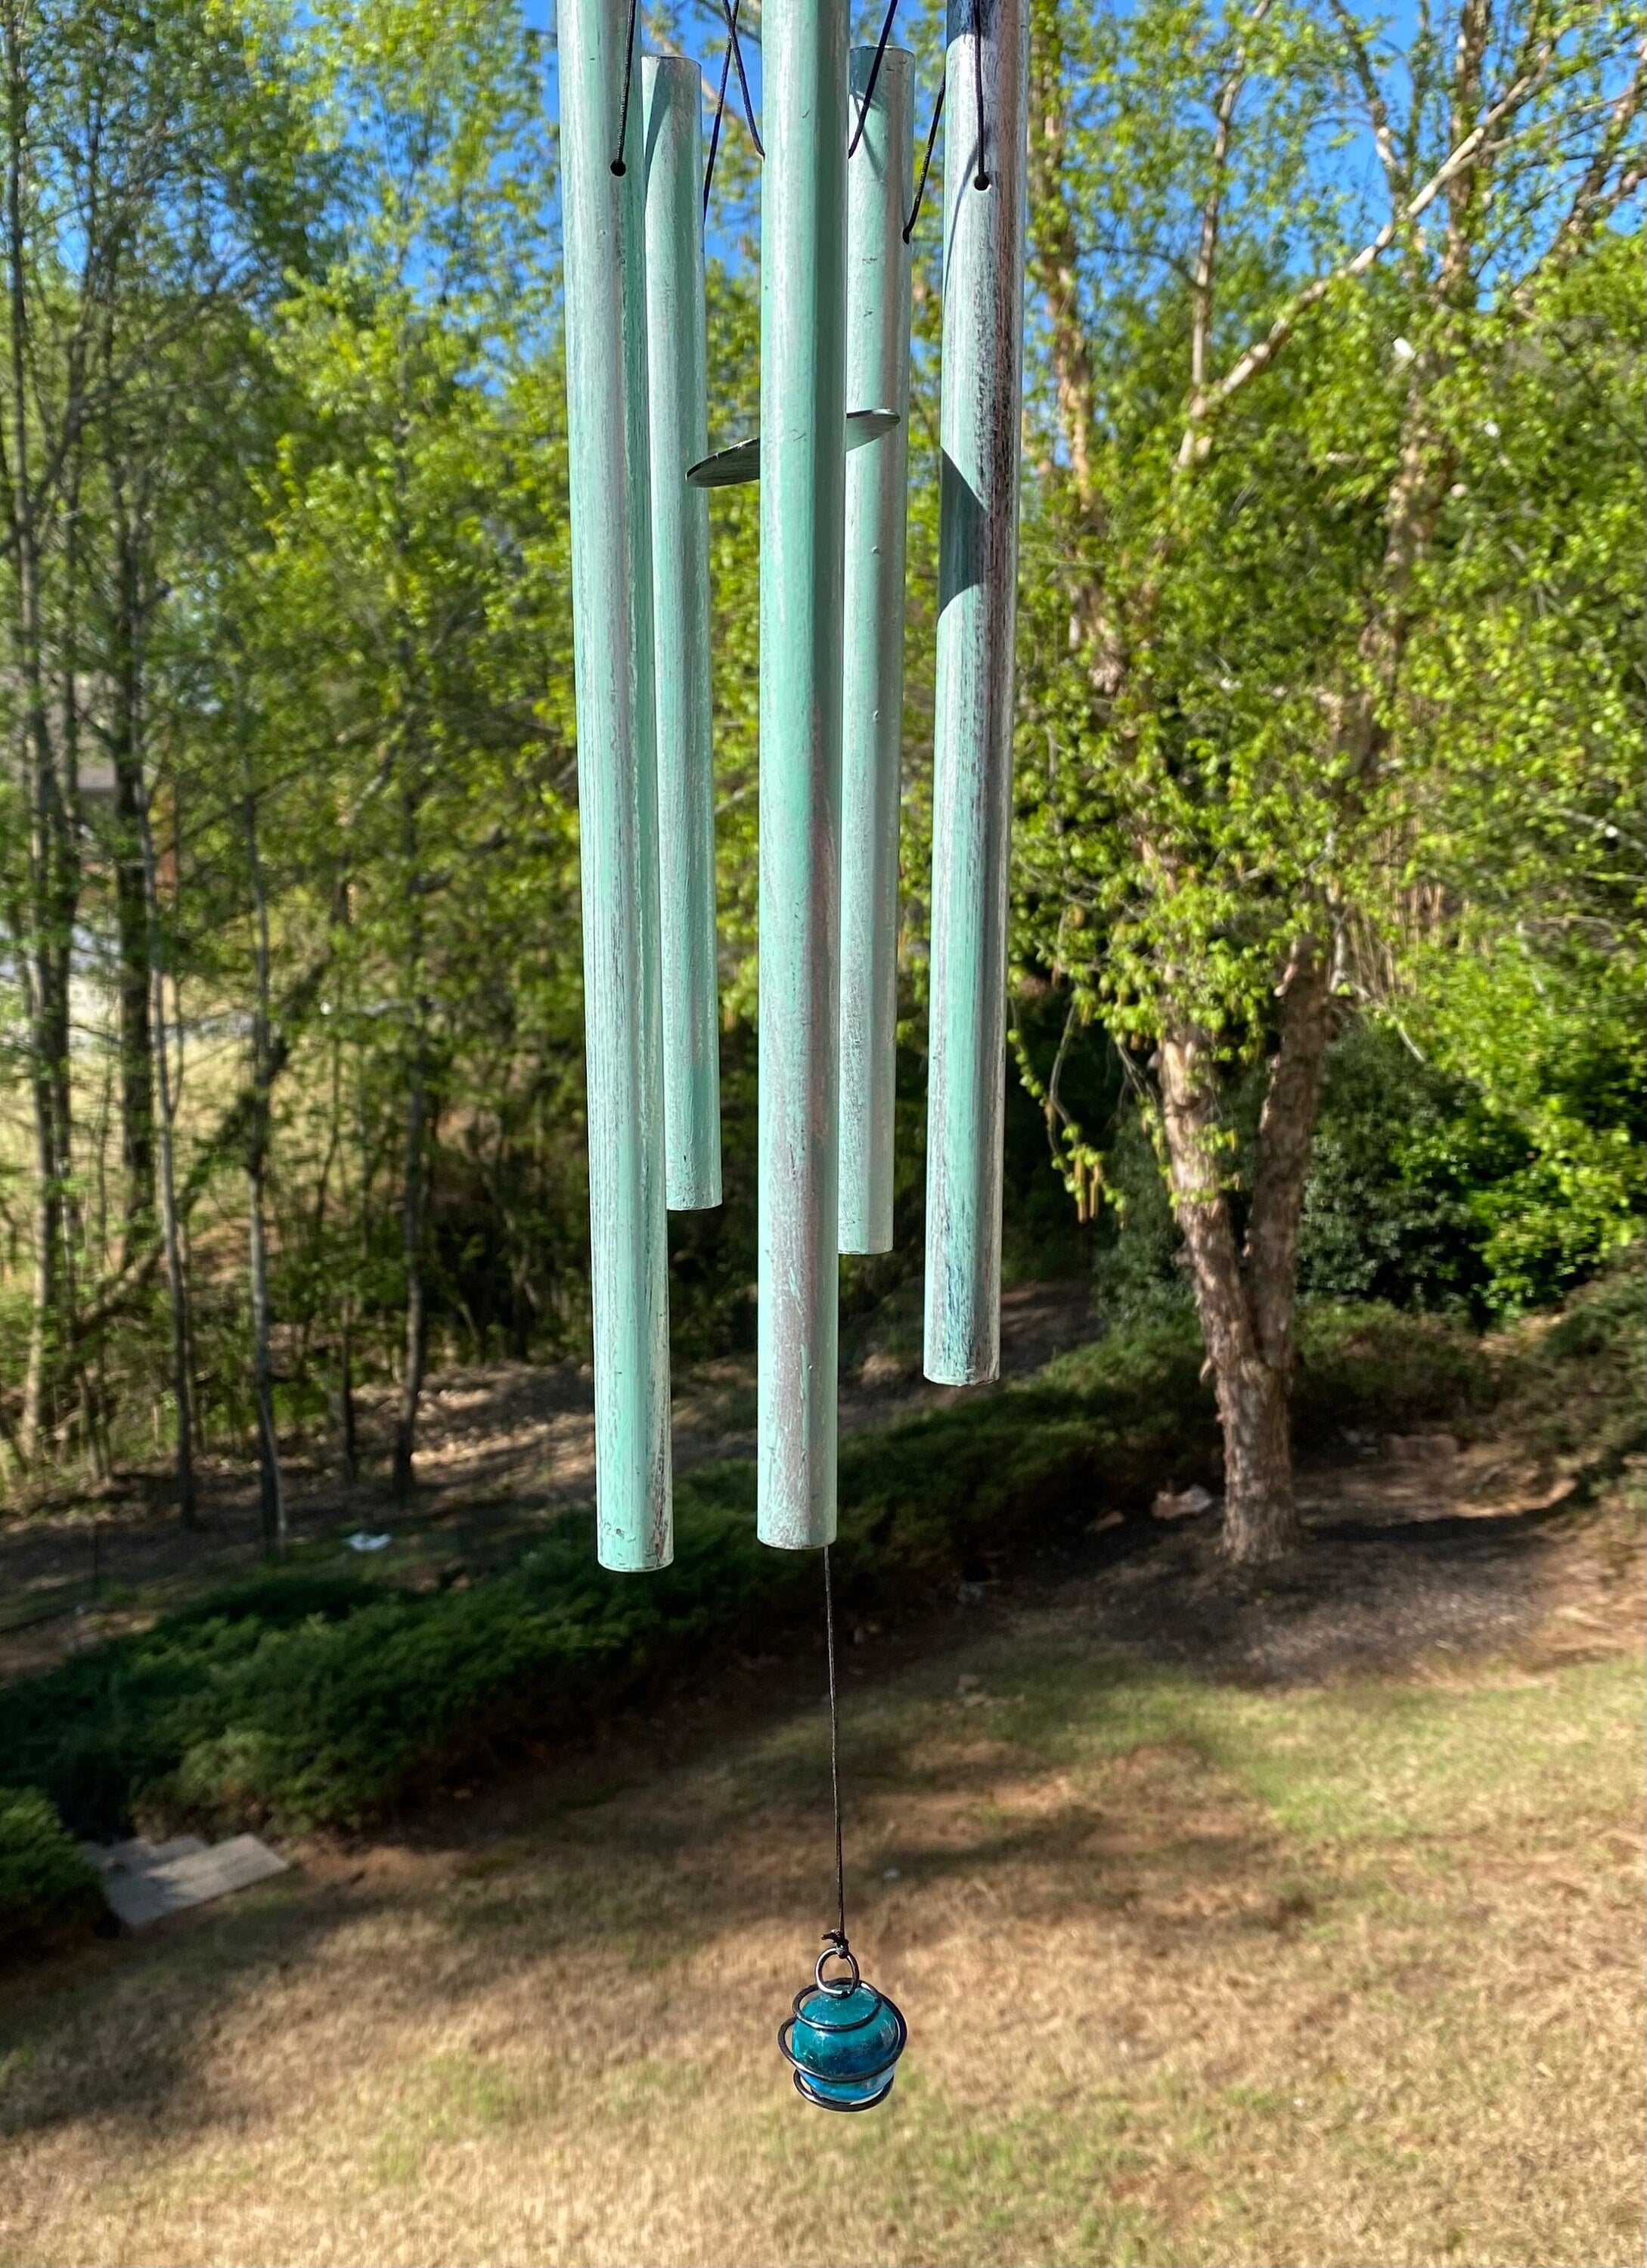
[803, 470]
[672, 99]
[978, 575]
[618, 817]
[871, 731]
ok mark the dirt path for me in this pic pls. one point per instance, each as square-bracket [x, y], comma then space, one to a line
[1289, 1922]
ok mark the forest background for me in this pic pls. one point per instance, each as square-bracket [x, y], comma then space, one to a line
[1327, 916]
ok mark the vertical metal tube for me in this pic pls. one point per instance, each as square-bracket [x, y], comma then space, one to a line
[672, 97]
[611, 592]
[978, 572]
[803, 307]
[878, 485]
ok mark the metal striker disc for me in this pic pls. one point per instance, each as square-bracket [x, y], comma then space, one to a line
[730, 468]
[843, 2039]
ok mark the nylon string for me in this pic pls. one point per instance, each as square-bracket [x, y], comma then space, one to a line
[926, 166]
[834, 1751]
[619, 167]
[875, 73]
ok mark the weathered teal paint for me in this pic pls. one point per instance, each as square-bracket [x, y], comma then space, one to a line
[877, 486]
[672, 96]
[977, 573]
[612, 594]
[803, 470]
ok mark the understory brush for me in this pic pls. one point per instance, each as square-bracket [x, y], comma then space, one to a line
[304, 1700]
[46, 1885]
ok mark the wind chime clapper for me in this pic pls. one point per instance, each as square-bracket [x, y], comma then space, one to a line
[985, 144]
[842, 2038]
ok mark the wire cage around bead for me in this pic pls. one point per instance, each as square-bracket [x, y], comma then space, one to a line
[843, 2037]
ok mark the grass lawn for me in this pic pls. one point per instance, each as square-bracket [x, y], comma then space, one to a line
[1195, 1972]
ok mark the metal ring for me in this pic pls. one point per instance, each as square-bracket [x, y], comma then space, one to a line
[837, 1950]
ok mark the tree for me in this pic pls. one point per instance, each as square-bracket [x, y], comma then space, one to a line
[1253, 436]
[152, 184]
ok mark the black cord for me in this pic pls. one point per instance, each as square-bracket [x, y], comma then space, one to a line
[981, 181]
[926, 167]
[731, 15]
[619, 167]
[875, 73]
[834, 1751]
[721, 112]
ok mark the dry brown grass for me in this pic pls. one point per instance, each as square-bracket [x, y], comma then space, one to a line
[1195, 1972]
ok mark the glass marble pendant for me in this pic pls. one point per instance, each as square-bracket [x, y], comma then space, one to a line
[843, 2039]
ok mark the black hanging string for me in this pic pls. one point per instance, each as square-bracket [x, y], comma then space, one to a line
[875, 73]
[734, 49]
[834, 1755]
[731, 15]
[714, 136]
[926, 166]
[981, 181]
[619, 167]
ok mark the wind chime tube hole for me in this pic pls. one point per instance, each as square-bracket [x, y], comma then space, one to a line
[985, 136]
[878, 174]
[676, 358]
[611, 579]
[803, 479]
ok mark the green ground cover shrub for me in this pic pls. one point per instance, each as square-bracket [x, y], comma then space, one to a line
[301, 1700]
[1578, 1380]
[305, 1701]
[46, 1885]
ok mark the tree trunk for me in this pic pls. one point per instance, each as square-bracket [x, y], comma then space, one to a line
[1246, 1299]
[411, 1248]
[348, 1444]
[43, 963]
[272, 1490]
[136, 1042]
[171, 1224]
[1260, 1515]
[413, 1191]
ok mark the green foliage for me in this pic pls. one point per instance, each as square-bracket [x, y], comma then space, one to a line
[1577, 1381]
[45, 1885]
[1401, 1154]
[1368, 660]
[1330, 628]
[306, 1701]
[1425, 1190]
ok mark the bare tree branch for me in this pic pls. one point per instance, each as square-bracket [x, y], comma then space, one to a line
[1372, 95]
[1597, 196]
[1206, 257]
[1263, 351]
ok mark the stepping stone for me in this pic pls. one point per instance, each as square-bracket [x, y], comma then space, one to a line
[138, 1856]
[144, 1882]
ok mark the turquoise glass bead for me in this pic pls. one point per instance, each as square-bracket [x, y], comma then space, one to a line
[843, 2040]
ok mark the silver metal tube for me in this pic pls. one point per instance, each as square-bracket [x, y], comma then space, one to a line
[978, 571]
[877, 490]
[611, 594]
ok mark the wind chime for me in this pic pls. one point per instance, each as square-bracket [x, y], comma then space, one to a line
[832, 458]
